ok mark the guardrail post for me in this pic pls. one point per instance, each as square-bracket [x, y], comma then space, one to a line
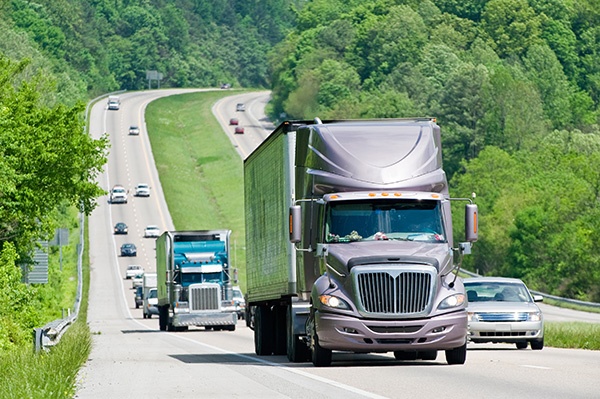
[38, 334]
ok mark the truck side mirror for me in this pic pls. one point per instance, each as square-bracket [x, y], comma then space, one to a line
[295, 224]
[471, 223]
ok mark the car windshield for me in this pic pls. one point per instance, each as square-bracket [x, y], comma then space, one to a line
[152, 294]
[410, 220]
[497, 292]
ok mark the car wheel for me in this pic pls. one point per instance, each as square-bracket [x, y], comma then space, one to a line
[521, 345]
[537, 345]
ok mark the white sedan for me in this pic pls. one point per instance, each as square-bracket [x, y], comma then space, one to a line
[142, 190]
[503, 310]
[151, 231]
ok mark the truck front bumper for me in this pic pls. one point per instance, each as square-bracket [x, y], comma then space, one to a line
[345, 333]
[205, 319]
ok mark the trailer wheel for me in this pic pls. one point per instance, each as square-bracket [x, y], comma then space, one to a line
[297, 351]
[230, 328]
[263, 331]
[457, 355]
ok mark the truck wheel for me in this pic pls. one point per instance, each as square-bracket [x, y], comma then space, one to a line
[297, 350]
[230, 328]
[457, 355]
[321, 357]
[263, 331]
[163, 316]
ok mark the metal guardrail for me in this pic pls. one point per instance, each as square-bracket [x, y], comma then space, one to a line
[553, 297]
[50, 334]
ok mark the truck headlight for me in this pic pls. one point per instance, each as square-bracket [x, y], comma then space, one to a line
[334, 302]
[453, 301]
[181, 307]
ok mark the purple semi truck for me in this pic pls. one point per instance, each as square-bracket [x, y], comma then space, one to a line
[349, 242]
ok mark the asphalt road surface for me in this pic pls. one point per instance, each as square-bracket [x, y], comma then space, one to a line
[131, 358]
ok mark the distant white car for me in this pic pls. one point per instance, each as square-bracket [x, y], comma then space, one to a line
[240, 107]
[133, 270]
[142, 190]
[151, 231]
[118, 195]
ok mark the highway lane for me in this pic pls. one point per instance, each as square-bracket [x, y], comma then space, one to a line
[131, 358]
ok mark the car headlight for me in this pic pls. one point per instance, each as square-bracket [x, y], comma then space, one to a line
[534, 316]
[453, 301]
[334, 302]
[472, 316]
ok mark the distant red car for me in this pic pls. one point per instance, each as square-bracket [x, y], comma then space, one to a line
[234, 121]
[239, 130]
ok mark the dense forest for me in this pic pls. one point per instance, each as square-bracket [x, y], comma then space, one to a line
[514, 84]
[515, 87]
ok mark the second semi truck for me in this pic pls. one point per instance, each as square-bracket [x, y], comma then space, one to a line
[349, 242]
[194, 280]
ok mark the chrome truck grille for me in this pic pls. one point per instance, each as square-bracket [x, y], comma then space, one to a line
[394, 292]
[204, 298]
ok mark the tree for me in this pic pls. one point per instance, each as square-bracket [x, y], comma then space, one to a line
[46, 158]
[512, 25]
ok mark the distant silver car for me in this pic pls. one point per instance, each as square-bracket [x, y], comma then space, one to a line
[503, 310]
[134, 130]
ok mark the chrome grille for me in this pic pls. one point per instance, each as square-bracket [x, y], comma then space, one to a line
[504, 316]
[205, 298]
[395, 293]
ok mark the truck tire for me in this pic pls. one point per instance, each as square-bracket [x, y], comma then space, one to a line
[263, 331]
[321, 357]
[297, 350]
[457, 355]
[230, 328]
[163, 317]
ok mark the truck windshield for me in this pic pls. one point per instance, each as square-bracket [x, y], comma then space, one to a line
[196, 278]
[410, 220]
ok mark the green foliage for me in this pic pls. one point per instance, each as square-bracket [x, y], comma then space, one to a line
[107, 45]
[572, 335]
[46, 158]
[48, 374]
[199, 169]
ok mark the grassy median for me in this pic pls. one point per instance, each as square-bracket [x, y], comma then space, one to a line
[200, 171]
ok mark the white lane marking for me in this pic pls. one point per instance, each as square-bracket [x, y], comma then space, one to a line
[536, 367]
